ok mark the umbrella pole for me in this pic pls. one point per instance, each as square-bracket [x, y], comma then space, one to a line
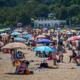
[43, 57]
[57, 40]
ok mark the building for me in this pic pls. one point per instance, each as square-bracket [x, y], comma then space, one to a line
[48, 23]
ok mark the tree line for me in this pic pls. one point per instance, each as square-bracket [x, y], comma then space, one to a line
[14, 11]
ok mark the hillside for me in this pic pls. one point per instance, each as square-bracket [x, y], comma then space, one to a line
[13, 11]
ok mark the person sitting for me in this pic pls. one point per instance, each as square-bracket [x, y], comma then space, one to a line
[39, 54]
[44, 64]
[23, 68]
[27, 63]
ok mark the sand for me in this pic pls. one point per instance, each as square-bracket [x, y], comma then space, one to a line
[66, 71]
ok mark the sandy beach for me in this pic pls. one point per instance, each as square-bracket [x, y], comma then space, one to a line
[39, 40]
[66, 71]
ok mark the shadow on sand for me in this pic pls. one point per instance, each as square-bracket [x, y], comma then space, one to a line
[17, 74]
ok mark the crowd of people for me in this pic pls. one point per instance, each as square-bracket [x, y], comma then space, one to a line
[59, 40]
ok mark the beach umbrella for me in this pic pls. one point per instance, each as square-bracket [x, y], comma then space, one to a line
[3, 34]
[63, 31]
[15, 33]
[54, 38]
[25, 33]
[41, 36]
[73, 30]
[18, 30]
[18, 39]
[2, 30]
[52, 30]
[44, 41]
[23, 50]
[68, 32]
[45, 49]
[74, 38]
[14, 45]
[27, 36]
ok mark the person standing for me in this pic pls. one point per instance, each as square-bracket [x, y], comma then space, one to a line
[73, 56]
[60, 51]
[54, 54]
[12, 52]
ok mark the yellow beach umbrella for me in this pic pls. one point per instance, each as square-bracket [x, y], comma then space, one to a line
[54, 38]
[52, 30]
[73, 30]
[63, 31]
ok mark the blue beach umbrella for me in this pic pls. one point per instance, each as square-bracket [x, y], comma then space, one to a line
[15, 33]
[27, 36]
[44, 41]
[45, 49]
[19, 39]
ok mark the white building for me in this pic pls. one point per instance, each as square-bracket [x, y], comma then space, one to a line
[47, 22]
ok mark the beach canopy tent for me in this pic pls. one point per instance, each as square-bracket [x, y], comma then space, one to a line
[15, 45]
[44, 41]
[45, 49]
[18, 39]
